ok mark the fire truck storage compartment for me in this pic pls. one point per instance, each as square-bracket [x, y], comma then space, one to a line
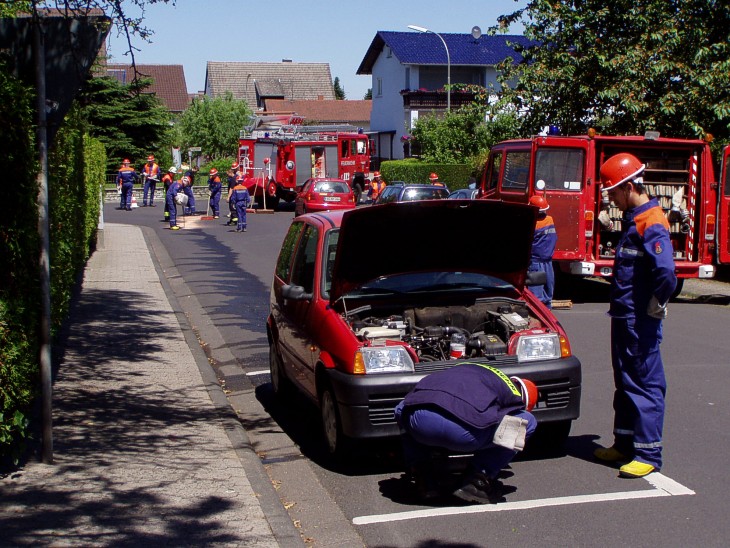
[261, 151]
[668, 175]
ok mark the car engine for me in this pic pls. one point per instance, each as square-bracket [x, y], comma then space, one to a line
[485, 328]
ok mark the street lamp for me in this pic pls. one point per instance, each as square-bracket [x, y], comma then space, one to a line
[448, 63]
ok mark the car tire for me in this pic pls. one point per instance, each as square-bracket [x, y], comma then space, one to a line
[334, 439]
[280, 384]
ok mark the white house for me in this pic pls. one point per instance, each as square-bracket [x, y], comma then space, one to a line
[410, 69]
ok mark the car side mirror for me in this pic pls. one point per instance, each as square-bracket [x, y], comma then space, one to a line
[536, 278]
[295, 293]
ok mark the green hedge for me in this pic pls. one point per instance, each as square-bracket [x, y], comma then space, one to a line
[414, 171]
[76, 174]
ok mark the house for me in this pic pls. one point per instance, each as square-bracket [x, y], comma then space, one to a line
[168, 83]
[258, 82]
[410, 69]
[324, 112]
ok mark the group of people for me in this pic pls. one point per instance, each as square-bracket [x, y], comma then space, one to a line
[470, 407]
[179, 191]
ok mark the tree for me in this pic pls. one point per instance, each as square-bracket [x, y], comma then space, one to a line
[130, 123]
[339, 90]
[624, 67]
[368, 95]
[214, 125]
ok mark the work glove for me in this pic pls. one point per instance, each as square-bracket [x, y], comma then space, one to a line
[605, 220]
[656, 309]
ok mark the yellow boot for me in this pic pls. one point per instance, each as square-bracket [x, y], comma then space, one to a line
[635, 469]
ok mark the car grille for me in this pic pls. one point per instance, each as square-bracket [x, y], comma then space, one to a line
[381, 407]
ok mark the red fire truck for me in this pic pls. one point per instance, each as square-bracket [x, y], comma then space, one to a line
[278, 154]
[679, 173]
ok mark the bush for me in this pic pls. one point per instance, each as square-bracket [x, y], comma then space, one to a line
[414, 171]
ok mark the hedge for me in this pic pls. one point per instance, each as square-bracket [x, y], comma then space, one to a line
[414, 171]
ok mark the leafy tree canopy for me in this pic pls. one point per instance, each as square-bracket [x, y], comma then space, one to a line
[214, 125]
[624, 67]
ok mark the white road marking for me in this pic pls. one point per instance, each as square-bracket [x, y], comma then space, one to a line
[663, 487]
[254, 373]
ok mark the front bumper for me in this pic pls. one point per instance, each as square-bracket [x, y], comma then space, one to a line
[367, 402]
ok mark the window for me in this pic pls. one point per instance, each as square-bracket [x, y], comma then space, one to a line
[516, 170]
[379, 87]
[362, 146]
[283, 264]
[494, 171]
[303, 267]
[345, 152]
[560, 168]
[408, 78]
[330, 246]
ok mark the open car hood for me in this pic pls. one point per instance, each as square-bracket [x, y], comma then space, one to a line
[483, 236]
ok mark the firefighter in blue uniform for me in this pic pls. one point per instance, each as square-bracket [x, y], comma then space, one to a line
[151, 173]
[167, 179]
[240, 199]
[643, 281]
[214, 187]
[188, 190]
[125, 180]
[177, 188]
[459, 410]
[543, 247]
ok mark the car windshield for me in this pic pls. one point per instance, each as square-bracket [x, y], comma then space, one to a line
[433, 281]
[338, 187]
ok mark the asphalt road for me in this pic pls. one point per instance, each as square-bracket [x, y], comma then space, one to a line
[564, 500]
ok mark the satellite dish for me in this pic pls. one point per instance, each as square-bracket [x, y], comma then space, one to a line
[476, 32]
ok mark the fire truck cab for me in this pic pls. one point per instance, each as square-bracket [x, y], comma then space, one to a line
[679, 173]
[277, 154]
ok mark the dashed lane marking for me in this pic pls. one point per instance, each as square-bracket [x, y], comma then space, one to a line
[663, 487]
[255, 373]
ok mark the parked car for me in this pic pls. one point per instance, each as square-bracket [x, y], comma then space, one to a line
[402, 192]
[324, 195]
[464, 194]
[354, 328]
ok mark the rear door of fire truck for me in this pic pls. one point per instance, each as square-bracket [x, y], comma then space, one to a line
[560, 168]
[723, 225]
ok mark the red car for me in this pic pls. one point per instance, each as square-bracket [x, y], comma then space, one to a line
[355, 328]
[324, 195]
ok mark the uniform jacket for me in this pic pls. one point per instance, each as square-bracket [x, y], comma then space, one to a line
[475, 395]
[240, 194]
[152, 171]
[546, 238]
[214, 184]
[644, 262]
[167, 180]
[175, 187]
[376, 187]
[127, 175]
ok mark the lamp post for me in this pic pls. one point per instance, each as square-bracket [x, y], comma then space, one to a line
[448, 62]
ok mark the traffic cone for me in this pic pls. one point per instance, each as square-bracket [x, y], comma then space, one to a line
[134, 201]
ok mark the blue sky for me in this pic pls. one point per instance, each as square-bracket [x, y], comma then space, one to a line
[319, 31]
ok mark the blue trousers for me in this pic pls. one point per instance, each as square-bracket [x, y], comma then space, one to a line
[149, 187]
[190, 208]
[127, 189]
[638, 400]
[544, 292]
[171, 208]
[426, 428]
[215, 206]
[241, 213]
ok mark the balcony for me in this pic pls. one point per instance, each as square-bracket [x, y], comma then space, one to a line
[421, 99]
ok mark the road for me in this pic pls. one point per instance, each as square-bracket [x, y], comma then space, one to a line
[222, 280]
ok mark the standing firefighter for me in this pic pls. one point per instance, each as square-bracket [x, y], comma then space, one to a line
[125, 180]
[214, 187]
[240, 199]
[167, 179]
[642, 283]
[543, 247]
[151, 175]
[176, 195]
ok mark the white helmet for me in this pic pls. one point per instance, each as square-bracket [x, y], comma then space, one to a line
[173, 169]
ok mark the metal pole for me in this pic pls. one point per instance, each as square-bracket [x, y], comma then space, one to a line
[45, 248]
[448, 62]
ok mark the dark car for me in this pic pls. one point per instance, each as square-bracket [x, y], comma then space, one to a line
[355, 328]
[402, 192]
[464, 194]
[324, 195]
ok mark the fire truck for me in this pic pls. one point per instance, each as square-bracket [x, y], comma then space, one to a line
[277, 154]
[565, 169]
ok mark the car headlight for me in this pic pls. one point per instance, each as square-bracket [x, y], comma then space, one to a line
[538, 347]
[382, 359]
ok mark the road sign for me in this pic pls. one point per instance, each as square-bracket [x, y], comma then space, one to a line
[195, 149]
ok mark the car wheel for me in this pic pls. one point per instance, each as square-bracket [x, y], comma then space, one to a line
[279, 382]
[331, 424]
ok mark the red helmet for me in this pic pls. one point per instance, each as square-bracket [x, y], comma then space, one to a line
[213, 172]
[234, 165]
[433, 177]
[620, 168]
[528, 391]
[376, 174]
[150, 158]
[540, 202]
[126, 161]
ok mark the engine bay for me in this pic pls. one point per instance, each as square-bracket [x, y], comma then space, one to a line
[482, 329]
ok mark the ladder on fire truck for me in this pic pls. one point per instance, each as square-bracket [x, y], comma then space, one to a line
[265, 176]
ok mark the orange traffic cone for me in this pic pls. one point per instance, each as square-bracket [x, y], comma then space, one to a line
[134, 201]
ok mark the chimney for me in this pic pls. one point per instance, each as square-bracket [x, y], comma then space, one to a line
[286, 60]
[320, 97]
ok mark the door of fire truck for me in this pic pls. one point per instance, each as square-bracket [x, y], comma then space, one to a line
[560, 166]
[723, 213]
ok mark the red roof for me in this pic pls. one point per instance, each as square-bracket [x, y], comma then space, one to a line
[168, 82]
[324, 111]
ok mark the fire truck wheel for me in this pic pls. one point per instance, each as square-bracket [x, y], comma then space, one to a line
[357, 190]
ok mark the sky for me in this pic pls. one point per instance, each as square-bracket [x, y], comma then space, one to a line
[193, 32]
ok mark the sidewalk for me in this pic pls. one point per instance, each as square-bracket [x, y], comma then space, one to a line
[146, 450]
